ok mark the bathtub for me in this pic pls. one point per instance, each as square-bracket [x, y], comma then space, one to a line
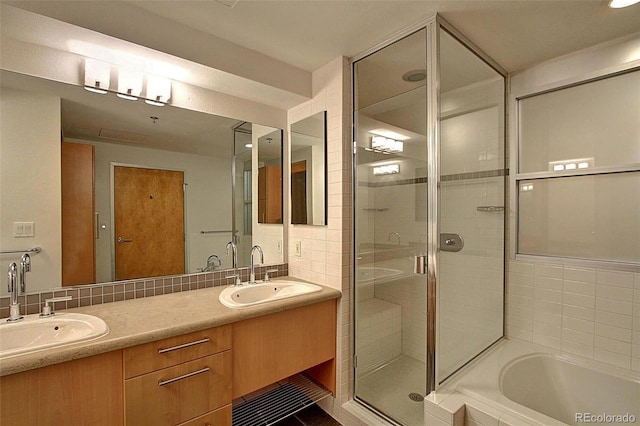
[519, 382]
[569, 392]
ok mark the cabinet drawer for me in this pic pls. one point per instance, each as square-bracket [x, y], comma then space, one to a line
[220, 417]
[179, 393]
[175, 350]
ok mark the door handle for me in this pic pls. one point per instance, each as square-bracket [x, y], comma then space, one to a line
[124, 240]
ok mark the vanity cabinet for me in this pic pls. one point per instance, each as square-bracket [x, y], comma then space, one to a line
[275, 346]
[82, 392]
[182, 380]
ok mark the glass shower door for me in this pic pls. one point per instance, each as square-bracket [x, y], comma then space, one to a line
[391, 228]
[471, 204]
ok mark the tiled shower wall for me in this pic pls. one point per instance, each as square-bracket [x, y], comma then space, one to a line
[589, 312]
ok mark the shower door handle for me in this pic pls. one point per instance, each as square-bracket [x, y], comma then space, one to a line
[420, 264]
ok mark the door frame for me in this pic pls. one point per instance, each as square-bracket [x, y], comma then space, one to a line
[112, 167]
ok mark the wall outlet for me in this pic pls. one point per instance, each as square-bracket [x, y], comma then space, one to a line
[298, 248]
[23, 229]
[278, 246]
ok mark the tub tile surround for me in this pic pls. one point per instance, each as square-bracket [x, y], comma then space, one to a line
[593, 313]
[98, 294]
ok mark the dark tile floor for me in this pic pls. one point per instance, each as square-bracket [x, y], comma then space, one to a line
[311, 416]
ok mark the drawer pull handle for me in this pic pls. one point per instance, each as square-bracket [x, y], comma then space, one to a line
[184, 345]
[184, 376]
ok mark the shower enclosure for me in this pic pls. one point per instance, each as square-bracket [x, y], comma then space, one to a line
[429, 187]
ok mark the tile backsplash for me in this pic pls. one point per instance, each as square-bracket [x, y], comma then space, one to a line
[594, 313]
[97, 294]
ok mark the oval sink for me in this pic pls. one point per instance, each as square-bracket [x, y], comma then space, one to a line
[35, 333]
[255, 294]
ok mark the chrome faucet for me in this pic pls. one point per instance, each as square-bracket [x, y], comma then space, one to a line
[234, 249]
[234, 263]
[210, 263]
[12, 284]
[25, 266]
[252, 272]
[394, 233]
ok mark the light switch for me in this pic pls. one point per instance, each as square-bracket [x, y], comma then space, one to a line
[299, 248]
[23, 229]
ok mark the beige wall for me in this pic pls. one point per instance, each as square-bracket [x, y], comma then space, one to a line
[30, 183]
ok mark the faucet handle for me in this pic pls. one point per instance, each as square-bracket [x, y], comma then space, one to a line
[46, 309]
[238, 283]
[267, 278]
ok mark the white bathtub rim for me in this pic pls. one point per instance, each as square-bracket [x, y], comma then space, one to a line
[590, 364]
[490, 367]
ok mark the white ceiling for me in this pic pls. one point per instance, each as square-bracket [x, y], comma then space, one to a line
[310, 33]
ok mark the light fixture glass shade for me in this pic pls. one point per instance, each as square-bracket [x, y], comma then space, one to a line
[158, 90]
[382, 144]
[96, 76]
[129, 84]
[617, 4]
[387, 169]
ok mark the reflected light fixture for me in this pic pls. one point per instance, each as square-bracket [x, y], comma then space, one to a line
[158, 90]
[129, 84]
[387, 169]
[386, 145]
[96, 76]
[618, 4]
[578, 163]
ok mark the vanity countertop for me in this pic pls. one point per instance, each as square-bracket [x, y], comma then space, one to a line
[138, 321]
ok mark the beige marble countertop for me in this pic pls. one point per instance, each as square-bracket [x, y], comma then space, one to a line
[138, 321]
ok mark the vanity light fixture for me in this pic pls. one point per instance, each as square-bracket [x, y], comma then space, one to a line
[96, 76]
[386, 145]
[129, 84]
[389, 134]
[387, 169]
[158, 90]
[617, 4]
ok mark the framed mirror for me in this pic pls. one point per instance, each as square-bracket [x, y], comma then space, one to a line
[92, 174]
[309, 170]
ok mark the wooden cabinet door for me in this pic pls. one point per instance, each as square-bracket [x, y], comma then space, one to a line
[84, 392]
[78, 214]
[272, 347]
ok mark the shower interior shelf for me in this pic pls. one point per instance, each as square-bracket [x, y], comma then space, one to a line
[281, 400]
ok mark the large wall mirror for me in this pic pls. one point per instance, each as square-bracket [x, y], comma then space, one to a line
[116, 189]
[309, 170]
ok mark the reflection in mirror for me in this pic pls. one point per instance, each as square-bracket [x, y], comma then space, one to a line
[269, 146]
[117, 165]
[309, 170]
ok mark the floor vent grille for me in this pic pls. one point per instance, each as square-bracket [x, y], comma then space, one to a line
[286, 398]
